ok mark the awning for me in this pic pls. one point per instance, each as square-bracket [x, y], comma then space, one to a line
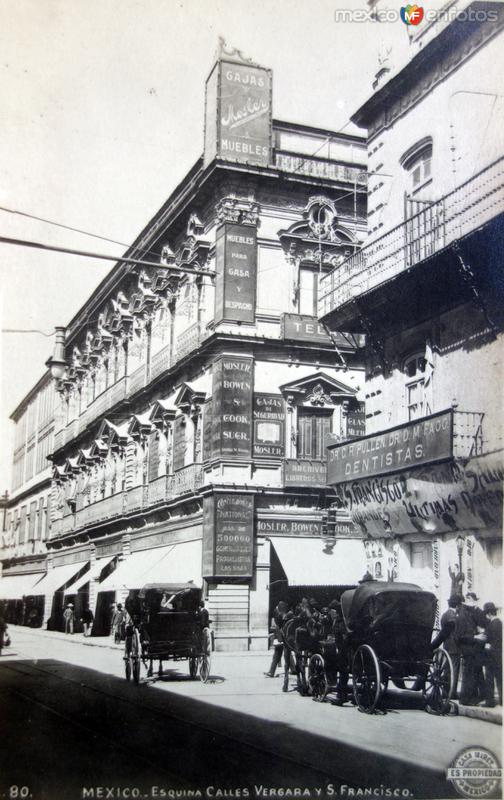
[92, 574]
[15, 587]
[176, 563]
[58, 577]
[306, 563]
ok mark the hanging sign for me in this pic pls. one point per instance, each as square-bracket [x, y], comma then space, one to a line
[269, 425]
[228, 536]
[236, 267]
[232, 407]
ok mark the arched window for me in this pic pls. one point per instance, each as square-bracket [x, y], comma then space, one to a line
[416, 162]
[414, 370]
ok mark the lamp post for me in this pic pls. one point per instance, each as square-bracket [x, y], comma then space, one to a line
[460, 550]
[57, 363]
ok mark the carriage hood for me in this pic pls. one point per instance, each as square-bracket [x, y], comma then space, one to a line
[354, 601]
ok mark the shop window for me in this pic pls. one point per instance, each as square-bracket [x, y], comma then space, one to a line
[417, 163]
[313, 429]
[414, 370]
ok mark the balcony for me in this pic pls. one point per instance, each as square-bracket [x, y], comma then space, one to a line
[160, 362]
[428, 232]
[468, 434]
[187, 341]
[188, 479]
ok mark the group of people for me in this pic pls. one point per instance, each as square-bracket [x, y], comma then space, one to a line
[87, 619]
[473, 638]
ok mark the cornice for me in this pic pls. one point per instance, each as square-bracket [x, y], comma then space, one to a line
[431, 65]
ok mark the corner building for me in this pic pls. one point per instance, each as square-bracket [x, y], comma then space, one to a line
[424, 484]
[199, 396]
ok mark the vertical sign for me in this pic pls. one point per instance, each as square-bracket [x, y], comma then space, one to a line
[233, 379]
[179, 443]
[238, 113]
[356, 421]
[228, 536]
[269, 425]
[207, 431]
[236, 268]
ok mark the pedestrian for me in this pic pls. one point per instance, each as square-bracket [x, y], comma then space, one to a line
[203, 615]
[470, 647]
[118, 621]
[493, 655]
[278, 642]
[446, 637]
[87, 620]
[68, 616]
[3, 628]
[480, 621]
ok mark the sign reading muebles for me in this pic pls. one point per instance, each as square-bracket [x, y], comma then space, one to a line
[236, 267]
[411, 445]
[228, 536]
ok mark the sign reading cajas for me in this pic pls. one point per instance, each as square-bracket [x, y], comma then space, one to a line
[269, 425]
[233, 379]
[421, 442]
[228, 536]
[236, 267]
[238, 114]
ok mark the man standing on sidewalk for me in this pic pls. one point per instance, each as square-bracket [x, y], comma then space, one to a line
[493, 655]
[87, 621]
[68, 616]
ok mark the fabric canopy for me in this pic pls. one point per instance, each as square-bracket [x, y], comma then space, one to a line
[92, 574]
[14, 587]
[58, 577]
[176, 563]
[306, 562]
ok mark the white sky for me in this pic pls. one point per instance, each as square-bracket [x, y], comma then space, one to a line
[102, 115]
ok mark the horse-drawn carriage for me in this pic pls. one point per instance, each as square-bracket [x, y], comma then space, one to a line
[384, 635]
[167, 622]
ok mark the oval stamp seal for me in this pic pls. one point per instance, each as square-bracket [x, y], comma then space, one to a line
[475, 772]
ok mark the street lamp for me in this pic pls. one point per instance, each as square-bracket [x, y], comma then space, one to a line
[460, 550]
[57, 363]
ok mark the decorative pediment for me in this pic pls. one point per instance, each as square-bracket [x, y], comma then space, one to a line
[58, 474]
[318, 236]
[71, 466]
[99, 449]
[140, 425]
[189, 397]
[237, 210]
[317, 390]
[113, 435]
[162, 412]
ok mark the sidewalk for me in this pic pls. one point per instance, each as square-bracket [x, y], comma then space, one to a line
[493, 715]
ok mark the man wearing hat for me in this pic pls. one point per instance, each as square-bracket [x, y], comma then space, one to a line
[68, 616]
[493, 655]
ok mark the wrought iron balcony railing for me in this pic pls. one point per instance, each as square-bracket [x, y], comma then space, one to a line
[463, 210]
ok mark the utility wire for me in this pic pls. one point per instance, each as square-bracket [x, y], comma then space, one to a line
[88, 254]
[27, 330]
[67, 227]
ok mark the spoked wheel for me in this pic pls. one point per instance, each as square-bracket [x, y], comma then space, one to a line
[128, 666]
[366, 679]
[134, 657]
[439, 682]
[317, 679]
[205, 658]
[136, 669]
[193, 666]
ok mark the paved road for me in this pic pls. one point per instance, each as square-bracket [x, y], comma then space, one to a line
[78, 725]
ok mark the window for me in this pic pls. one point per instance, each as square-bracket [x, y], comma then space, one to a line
[414, 369]
[314, 427]
[308, 291]
[417, 163]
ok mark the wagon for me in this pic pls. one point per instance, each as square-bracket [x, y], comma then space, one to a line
[387, 637]
[166, 623]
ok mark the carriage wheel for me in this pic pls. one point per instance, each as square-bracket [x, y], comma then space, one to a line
[136, 670]
[439, 682]
[366, 679]
[317, 679]
[193, 666]
[127, 666]
[205, 656]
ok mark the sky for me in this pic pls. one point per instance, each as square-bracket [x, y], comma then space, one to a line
[102, 116]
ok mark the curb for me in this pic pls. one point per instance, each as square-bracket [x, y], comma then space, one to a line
[493, 715]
